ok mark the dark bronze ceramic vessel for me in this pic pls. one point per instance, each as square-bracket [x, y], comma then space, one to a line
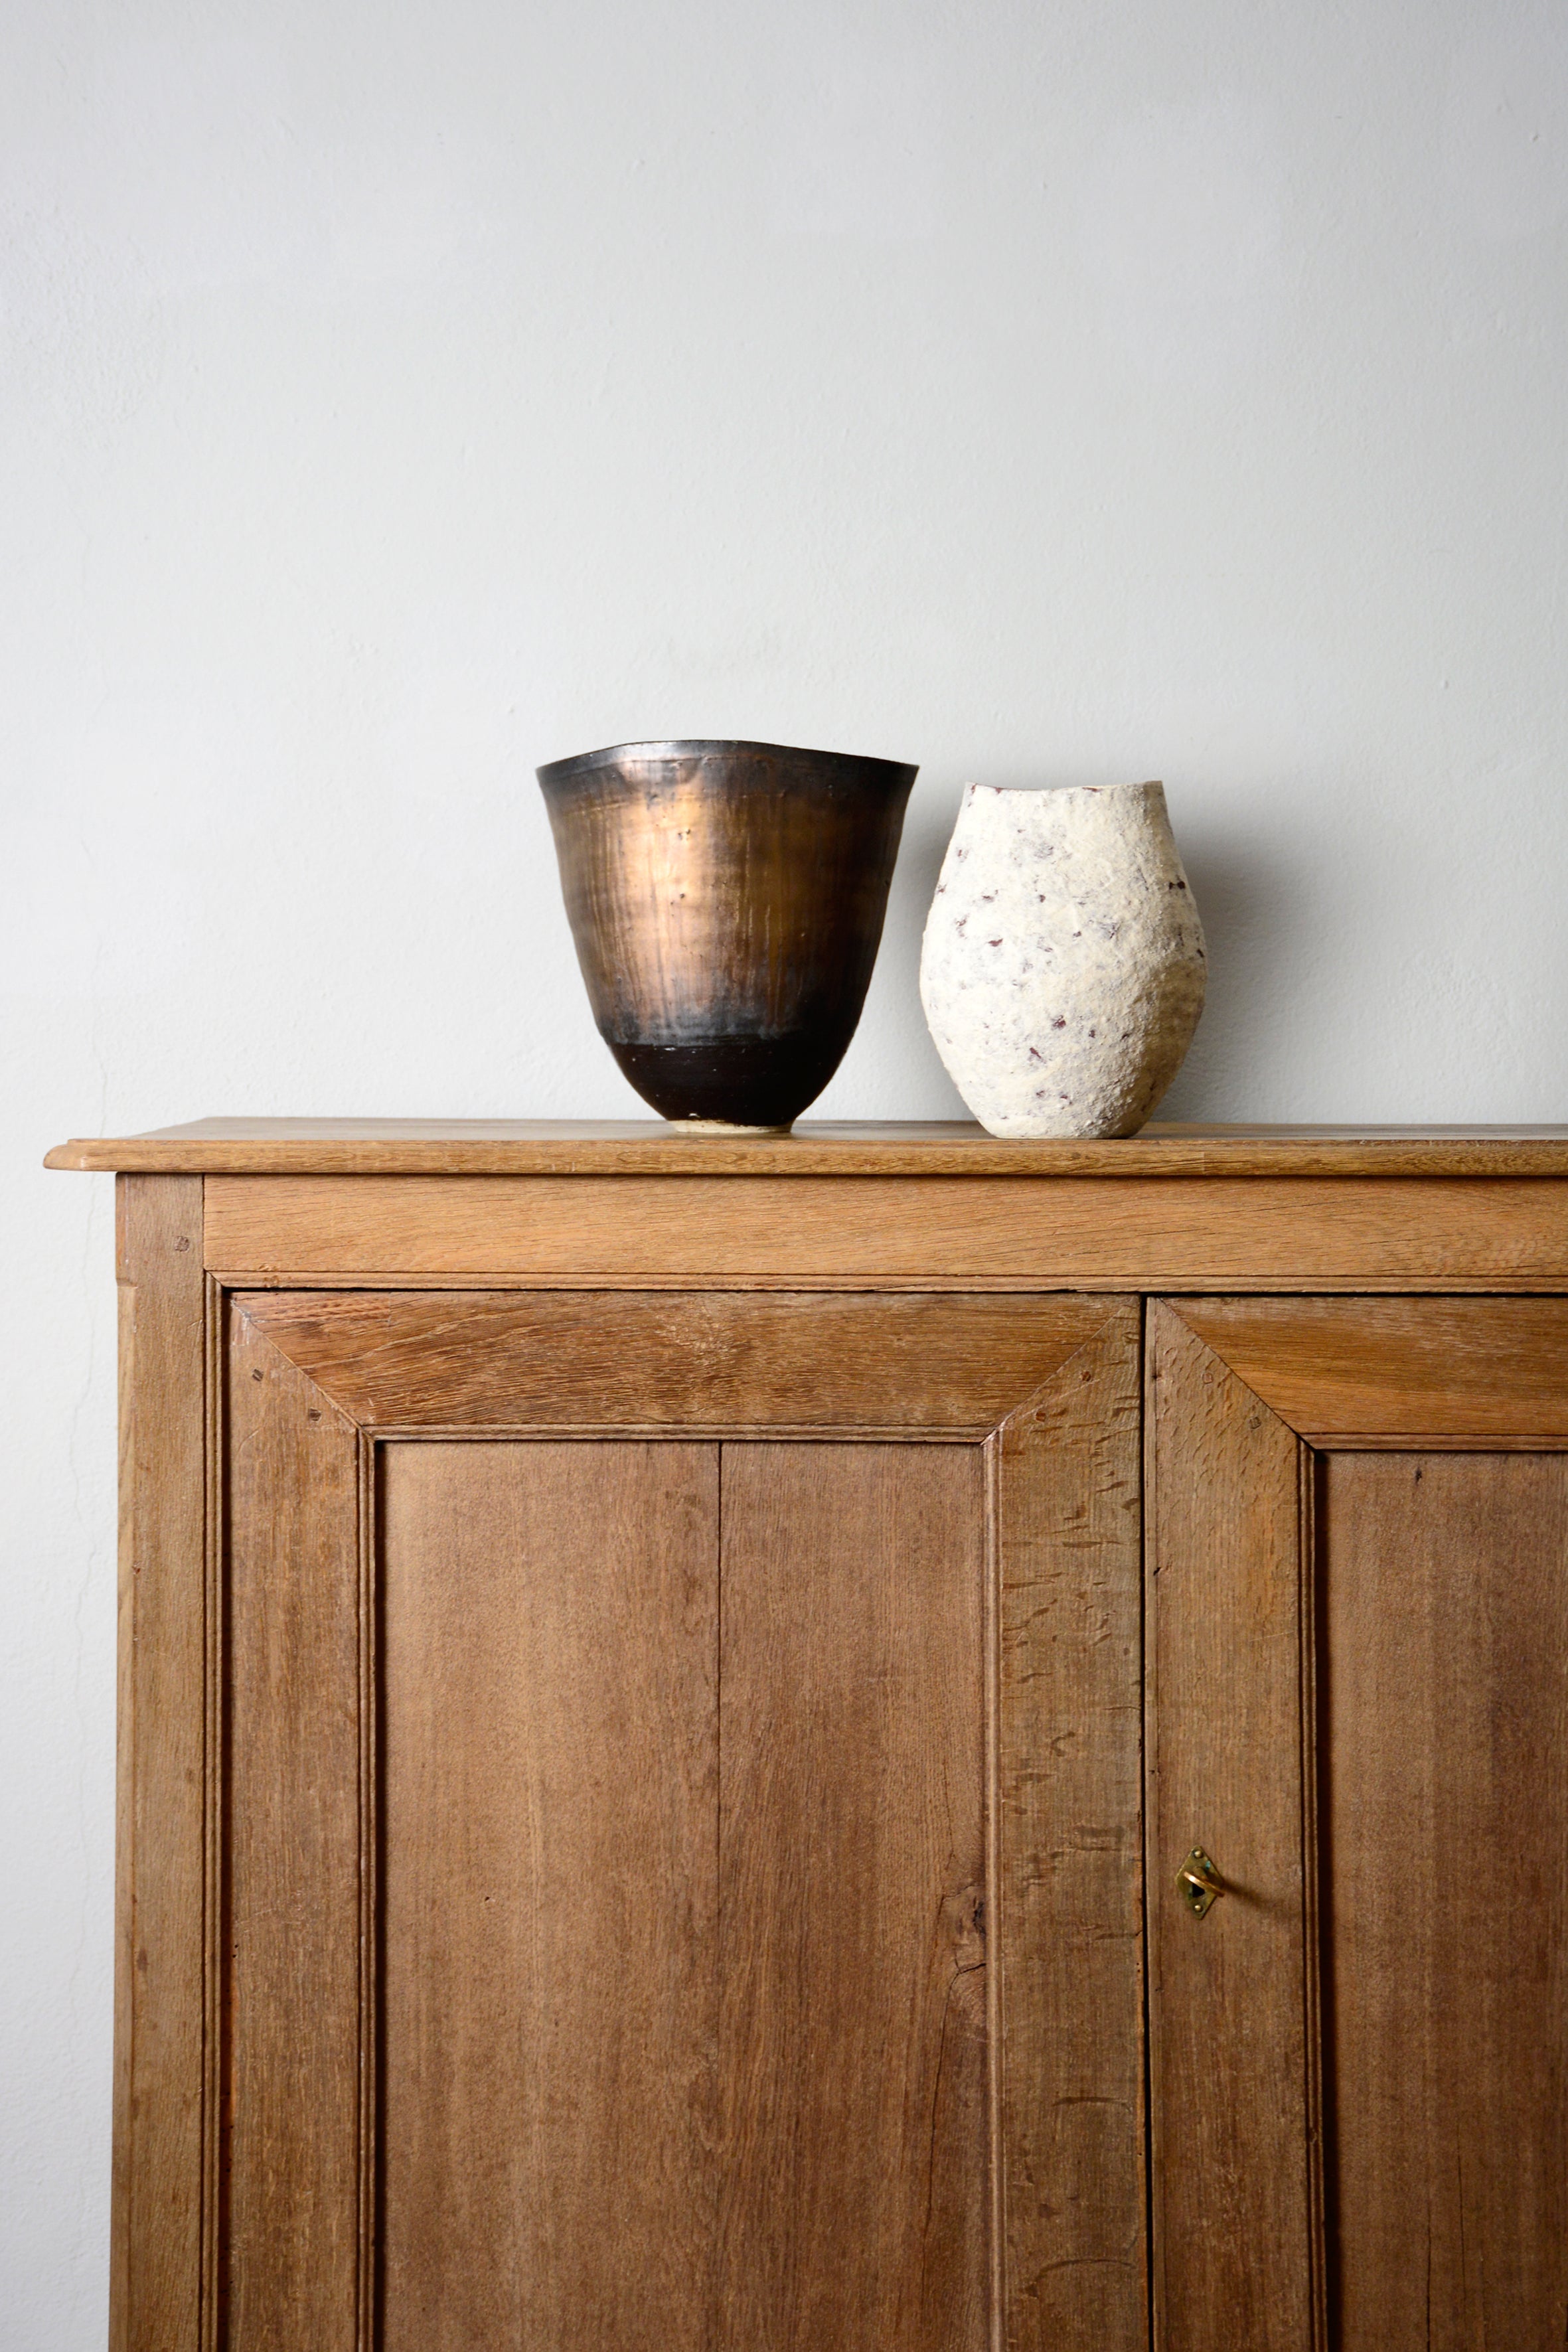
[727, 903]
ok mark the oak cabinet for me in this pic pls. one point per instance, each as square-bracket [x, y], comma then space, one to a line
[663, 1707]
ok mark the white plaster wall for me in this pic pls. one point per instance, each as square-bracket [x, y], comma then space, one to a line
[396, 395]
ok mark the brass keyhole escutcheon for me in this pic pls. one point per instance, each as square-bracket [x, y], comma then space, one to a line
[1200, 1883]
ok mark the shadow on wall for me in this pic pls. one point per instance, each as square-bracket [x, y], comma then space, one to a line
[895, 984]
[1259, 921]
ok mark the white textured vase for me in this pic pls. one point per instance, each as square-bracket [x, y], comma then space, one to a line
[1063, 971]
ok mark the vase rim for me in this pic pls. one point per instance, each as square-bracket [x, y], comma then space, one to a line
[706, 746]
[1041, 792]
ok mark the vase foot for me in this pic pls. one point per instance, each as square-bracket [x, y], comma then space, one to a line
[734, 1080]
[722, 1127]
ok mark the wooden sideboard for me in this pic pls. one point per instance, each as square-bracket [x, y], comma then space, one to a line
[667, 1685]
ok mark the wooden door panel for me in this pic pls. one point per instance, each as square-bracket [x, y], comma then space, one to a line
[549, 1777]
[606, 1953]
[852, 1913]
[1445, 1816]
[1393, 1679]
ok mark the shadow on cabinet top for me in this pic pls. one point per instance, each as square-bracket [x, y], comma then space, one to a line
[430, 1146]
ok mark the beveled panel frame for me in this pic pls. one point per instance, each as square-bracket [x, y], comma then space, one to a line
[1431, 1373]
[791, 1364]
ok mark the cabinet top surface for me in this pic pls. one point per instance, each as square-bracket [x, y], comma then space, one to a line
[414, 1147]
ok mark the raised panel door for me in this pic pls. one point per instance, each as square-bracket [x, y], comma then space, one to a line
[1358, 1627]
[678, 1807]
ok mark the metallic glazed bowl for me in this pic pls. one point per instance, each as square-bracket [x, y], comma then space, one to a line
[727, 903]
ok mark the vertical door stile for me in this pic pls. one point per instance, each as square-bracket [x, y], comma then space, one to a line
[1231, 2004]
[1149, 1766]
[163, 1787]
[1068, 1896]
[1313, 1884]
[293, 1958]
[370, 1751]
[713, 2337]
[215, 1795]
[995, 2144]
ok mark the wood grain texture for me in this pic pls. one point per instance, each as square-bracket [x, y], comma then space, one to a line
[160, 1960]
[853, 2036]
[1170, 1232]
[748, 1911]
[1446, 1613]
[291, 2272]
[1069, 1909]
[550, 1806]
[1398, 1368]
[414, 1147]
[585, 1359]
[1235, 2209]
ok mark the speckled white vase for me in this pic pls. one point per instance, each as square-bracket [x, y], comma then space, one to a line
[1063, 971]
